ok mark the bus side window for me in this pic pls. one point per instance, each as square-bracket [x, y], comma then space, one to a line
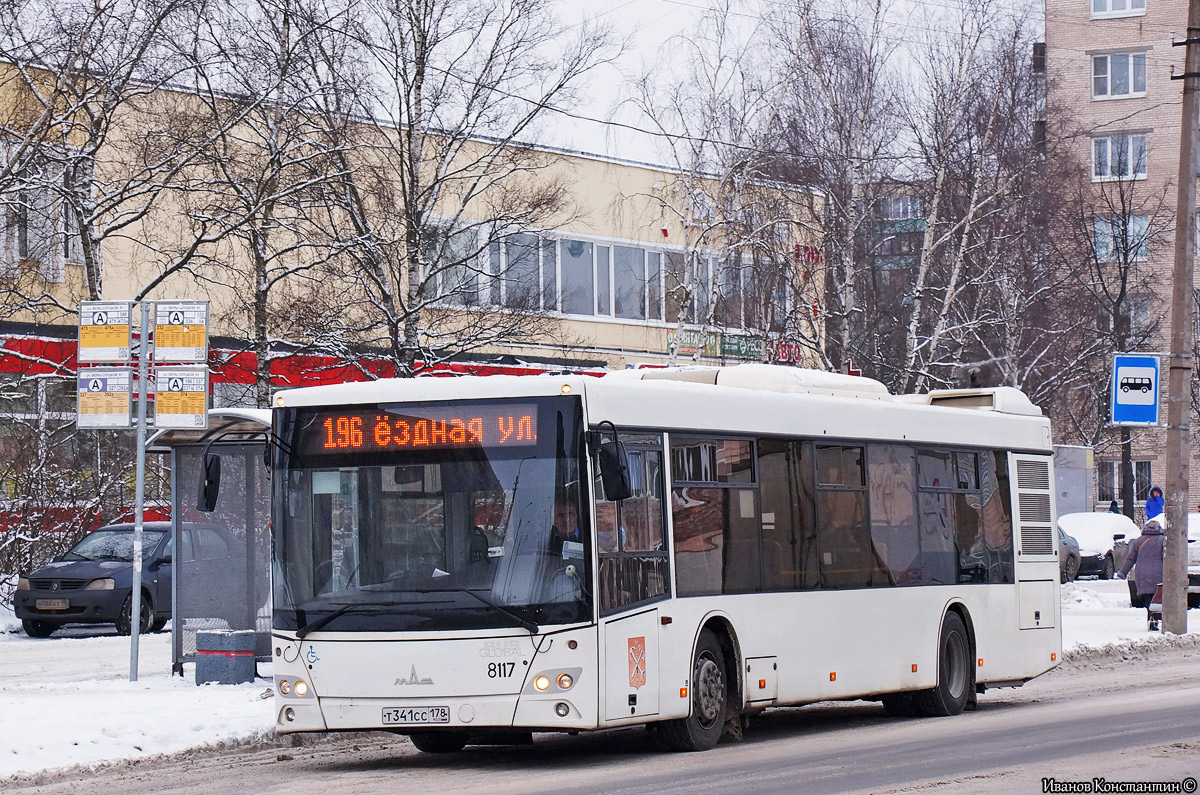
[782, 535]
[716, 518]
[996, 516]
[894, 531]
[846, 557]
[629, 533]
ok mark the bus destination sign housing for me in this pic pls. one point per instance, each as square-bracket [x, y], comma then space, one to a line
[378, 429]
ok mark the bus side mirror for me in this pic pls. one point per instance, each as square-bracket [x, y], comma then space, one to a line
[210, 484]
[614, 471]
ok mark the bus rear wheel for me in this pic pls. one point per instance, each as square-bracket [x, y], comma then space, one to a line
[701, 730]
[439, 742]
[955, 678]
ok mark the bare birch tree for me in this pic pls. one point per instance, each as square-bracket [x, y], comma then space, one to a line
[86, 157]
[716, 116]
[840, 127]
[83, 160]
[439, 190]
[256, 194]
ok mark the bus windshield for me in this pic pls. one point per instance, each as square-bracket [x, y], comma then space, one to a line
[431, 516]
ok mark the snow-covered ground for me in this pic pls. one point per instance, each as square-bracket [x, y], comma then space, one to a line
[67, 700]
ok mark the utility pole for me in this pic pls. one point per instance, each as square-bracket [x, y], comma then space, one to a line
[1180, 359]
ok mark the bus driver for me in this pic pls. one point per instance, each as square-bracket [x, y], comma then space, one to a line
[564, 533]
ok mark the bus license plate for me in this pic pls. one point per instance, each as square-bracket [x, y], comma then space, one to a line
[397, 715]
[52, 604]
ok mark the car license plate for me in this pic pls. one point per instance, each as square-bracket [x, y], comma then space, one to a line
[52, 604]
[398, 715]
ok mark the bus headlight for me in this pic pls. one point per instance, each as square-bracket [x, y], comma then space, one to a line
[554, 681]
[285, 687]
[301, 688]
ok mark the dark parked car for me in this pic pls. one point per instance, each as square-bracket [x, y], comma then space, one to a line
[93, 582]
[1099, 536]
[1068, 557]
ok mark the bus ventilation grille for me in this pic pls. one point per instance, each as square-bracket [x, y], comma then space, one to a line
[1036, 541]
[1033, 475]
[1035, 508]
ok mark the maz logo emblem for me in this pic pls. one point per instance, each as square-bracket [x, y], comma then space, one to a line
[413, 679]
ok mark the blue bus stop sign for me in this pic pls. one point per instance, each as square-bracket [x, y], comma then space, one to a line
[1135, 389]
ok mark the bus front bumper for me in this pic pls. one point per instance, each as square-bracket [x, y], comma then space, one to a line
[549, 712]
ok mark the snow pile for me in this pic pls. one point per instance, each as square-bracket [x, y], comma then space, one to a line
[67, 700]
[1136, 649]
[8, 621]
[1095, 594]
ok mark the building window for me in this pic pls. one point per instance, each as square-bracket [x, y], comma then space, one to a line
[578, 279]
[899, 208]
[1121, 239]
[901, 244]
[522, 278]
[1118, 8]
[1138, 308]
[1119, 157]
[1109, 481]
[1121, 74]
[596, 279]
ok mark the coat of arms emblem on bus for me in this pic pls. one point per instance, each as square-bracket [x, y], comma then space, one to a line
[637, 662]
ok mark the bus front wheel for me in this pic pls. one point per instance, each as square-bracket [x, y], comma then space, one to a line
[955, 678]
[702, 729]
[439, 742]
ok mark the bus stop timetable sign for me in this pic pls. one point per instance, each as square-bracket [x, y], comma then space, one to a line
[104, 331]
[105, 397]
[181, 331]
[181, 397]
[1134, 388]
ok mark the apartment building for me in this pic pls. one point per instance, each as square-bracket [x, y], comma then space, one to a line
[1110, 94]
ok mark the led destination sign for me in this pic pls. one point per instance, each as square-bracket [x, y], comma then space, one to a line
[377, 430]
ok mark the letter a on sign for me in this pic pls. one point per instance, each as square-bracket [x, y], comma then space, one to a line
[637, 662]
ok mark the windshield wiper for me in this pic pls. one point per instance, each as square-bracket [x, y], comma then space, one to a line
[525, 623]
[313, 626]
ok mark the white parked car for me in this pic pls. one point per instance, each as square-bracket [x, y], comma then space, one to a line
[1097, 534]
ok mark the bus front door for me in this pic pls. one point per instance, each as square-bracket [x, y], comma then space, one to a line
[631, 655]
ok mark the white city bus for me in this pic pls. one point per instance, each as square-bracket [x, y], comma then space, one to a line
[450, 562]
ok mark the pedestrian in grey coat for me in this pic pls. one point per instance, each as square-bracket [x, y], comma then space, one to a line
[1147, 552]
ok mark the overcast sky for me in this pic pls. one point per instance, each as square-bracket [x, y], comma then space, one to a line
[649, 24]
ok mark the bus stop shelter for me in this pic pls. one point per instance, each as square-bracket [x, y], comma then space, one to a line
[221, 561]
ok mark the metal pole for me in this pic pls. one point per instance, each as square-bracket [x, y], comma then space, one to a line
[176, 546]
[135, 617]
[1180, 360]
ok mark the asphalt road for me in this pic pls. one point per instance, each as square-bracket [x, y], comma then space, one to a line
[1133, 718]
